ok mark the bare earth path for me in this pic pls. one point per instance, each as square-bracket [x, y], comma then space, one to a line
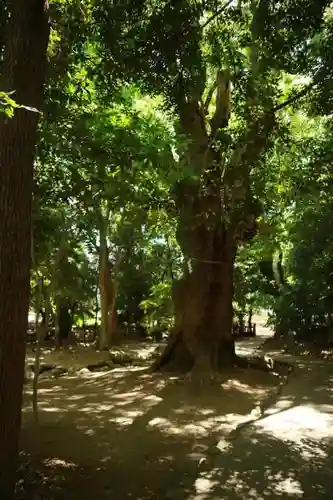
[286, 454]
[128, 434]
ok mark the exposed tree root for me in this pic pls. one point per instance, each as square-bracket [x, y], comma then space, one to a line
[182, 363]
[203, 369]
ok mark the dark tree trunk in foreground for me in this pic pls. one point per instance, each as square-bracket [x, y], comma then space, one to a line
[22, 71]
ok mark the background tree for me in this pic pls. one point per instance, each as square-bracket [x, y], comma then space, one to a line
[104, 166]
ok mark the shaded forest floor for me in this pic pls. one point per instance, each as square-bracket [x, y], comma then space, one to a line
[128, 433]
[305, 349]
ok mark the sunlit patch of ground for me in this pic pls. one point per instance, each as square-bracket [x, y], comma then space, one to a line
[287, 454]
[123, 395]
[293, 423]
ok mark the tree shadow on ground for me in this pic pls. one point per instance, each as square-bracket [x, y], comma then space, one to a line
[261, 466]
[132, 434]
[288, 454]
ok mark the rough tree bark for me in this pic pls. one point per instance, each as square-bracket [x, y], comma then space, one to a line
[215, 214]
[23, 71]
[202, 336]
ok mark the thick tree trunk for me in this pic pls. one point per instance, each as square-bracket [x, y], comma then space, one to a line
[216, 211]
[202, 336]
[24, 66]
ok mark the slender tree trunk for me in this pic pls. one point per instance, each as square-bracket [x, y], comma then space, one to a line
[24, 67]
[60, 258]
[57, 338]
[241, 324]
[40, 335]
[108, 295]
[104, 288]
[250, 320]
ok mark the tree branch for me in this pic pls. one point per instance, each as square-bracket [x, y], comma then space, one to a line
[217, 13]
[222, 109]
[294, 98]
[209, 96]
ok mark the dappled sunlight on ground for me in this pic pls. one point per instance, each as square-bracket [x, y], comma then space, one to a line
[82, 355]
[131, 434]
[287, 454]
[129, 422]
[77, 358]
[120, 397]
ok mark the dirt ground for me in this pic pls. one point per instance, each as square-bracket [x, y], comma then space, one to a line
[305, 349]
[128, 433]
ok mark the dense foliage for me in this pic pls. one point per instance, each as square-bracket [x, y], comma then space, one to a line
[113, 144]
[182, 179]
[112, 147]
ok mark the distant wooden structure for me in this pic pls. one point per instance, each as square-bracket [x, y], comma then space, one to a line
[241, 330]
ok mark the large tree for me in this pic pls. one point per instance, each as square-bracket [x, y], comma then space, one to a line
[23, 59]
[221, 71]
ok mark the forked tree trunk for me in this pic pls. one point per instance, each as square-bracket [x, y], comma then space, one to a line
[214, 215]
[202, 336]
[217, 211]
[23, 71]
